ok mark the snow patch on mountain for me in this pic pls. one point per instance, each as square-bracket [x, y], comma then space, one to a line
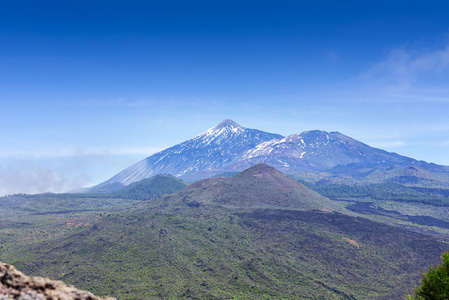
[220, 133]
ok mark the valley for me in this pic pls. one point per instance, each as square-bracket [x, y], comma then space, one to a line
[199, 243]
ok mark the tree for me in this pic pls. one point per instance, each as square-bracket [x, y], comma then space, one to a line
[434, 283]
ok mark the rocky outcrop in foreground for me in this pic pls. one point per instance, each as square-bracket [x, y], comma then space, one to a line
[15, 285]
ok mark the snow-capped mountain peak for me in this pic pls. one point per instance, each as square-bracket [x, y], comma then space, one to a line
[222, 131]
[208, 151]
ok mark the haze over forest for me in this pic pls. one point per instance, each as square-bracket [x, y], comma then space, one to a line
[89, 88]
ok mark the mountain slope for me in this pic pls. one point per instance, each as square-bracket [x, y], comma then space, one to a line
[260, 186]
[151, 188]
[320, 151]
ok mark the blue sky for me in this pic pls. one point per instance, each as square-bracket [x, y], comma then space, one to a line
[89, 87]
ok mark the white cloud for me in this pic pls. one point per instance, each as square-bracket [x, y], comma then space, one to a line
[27, 176]
[71, 152]
[403, 68]
[62, 170]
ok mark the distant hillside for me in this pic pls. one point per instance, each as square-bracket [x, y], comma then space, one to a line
[23, 206]
[151, 188]
[411, 175]
[388, 191]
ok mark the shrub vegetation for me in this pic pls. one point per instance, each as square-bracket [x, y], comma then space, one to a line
[434, 283]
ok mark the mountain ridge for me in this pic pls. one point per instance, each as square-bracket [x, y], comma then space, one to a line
[230, 147]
